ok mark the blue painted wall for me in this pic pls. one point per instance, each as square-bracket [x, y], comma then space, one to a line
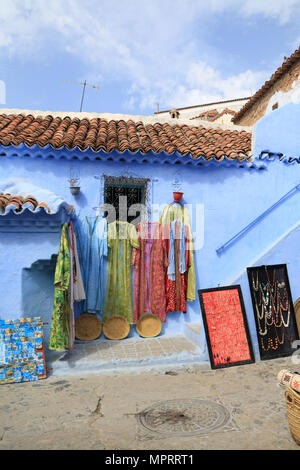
[229, 197]
[278, 131]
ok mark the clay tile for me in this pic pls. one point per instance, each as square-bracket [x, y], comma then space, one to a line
[43, 204]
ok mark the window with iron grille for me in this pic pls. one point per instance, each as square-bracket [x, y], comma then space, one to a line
[123, 193]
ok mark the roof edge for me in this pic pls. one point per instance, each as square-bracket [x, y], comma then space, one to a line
[204, 104]
[280, 71]
[175, 158]
[126, 117]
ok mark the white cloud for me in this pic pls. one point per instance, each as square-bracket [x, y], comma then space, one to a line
[202, 84]
[148, 44]
[279, 9]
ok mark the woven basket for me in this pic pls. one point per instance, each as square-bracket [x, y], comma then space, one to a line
[116, 327]
[292, 399]
[149, 325]
[87, 327]
[297, 313]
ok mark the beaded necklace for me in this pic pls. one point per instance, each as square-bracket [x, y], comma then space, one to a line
[277, 323]
[255, 286]
[263, 302]
[274, 289]
[282, 339]
[275, 308]
[269, 315]
[279, 302]
[272, 307]
[270, 344]
[269, 306]
[265, 298]
[287, 323]
[259, 317]
[285, 297]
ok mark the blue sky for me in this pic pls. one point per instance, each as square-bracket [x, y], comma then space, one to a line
[172, 52]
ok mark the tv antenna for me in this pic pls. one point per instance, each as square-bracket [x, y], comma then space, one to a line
[84, 84]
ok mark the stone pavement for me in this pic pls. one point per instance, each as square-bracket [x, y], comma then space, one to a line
[184, 408]
[103, 355]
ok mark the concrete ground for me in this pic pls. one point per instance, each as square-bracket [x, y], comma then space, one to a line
[103, 355]
[180, 408]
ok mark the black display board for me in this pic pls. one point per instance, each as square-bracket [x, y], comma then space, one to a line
[273, 310]
[226, 328]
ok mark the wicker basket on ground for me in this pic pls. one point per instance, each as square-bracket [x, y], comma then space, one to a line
[292, 399]
[116, 327]
[87, 327]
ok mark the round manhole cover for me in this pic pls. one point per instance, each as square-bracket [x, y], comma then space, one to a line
[184, 417]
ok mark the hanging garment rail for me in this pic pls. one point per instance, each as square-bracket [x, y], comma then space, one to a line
[232, 240]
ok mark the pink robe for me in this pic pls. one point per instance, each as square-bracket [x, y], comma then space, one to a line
[150, 267]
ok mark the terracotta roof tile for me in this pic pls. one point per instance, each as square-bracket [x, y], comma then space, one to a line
[19, 203]
[287, 64]
[99, 134]
[213, 114]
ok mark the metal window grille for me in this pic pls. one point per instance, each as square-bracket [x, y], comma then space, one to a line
[122, 193]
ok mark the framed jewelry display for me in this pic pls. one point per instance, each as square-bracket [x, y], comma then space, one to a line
[273, 310]
[226, 326]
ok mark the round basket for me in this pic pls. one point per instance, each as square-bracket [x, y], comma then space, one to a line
[297, 313]
[292, 399]
[87, 327]
[149, 325]
[116, 327]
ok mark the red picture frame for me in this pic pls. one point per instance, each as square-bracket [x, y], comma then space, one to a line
[226, 327]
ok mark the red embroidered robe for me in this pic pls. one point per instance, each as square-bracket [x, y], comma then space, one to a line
[150, 266]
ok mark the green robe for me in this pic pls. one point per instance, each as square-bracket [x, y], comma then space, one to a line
[59, 332]
[121, 237]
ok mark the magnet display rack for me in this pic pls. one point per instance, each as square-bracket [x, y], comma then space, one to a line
[22, 352]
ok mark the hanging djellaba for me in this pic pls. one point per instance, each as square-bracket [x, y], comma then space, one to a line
[273, 310]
